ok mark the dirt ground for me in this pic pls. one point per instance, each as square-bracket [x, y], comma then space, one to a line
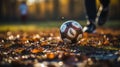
[41, 48]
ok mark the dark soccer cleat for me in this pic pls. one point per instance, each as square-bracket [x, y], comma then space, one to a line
[90, 28]
[102, 15]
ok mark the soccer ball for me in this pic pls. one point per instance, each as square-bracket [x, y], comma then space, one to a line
[71, 31]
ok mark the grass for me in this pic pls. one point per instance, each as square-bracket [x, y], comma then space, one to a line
[46, 25]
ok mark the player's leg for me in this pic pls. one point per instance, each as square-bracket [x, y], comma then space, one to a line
[90, 6]
[103, 11]
[91, 11]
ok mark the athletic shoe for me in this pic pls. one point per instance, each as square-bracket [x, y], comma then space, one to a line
[90, 28]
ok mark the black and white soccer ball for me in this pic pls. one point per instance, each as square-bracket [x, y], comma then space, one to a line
[71, 31]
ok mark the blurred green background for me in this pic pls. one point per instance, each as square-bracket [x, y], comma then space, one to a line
[42, 10]
[50, 13]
